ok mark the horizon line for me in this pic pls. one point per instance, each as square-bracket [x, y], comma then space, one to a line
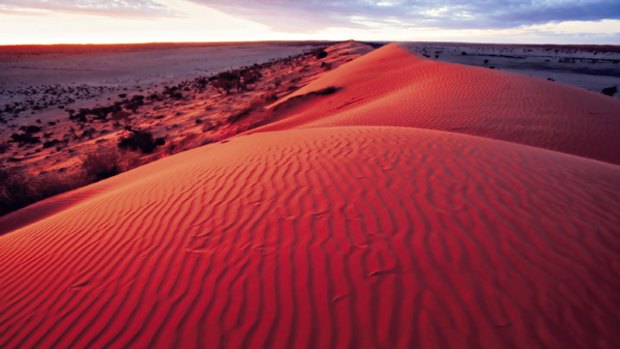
[294, 41]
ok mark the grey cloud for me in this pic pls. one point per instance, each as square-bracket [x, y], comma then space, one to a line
[314, 14]
[103, 7]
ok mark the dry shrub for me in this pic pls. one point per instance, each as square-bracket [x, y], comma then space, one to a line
[102, 163]
[255, 105]
[16, 190]
[19, 189]
[184, 142]
[209, 125]
[140, 140]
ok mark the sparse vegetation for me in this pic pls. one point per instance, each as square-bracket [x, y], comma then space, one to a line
[139, 140]
[53, 143]
[27, 136]
[227, 81]
[610, 91]
[19, 189]
[101, 164]
[201, 83]
[320, 54]
[127, 114]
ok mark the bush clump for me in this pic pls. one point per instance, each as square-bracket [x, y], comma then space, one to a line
[227, 81]
[101, 164]
[25, 138]
[19, 189]
[320, 54]
[139, 140]
[610, 91]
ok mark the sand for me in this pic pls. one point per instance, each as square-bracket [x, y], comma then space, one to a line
[418, 92]
[355, 229]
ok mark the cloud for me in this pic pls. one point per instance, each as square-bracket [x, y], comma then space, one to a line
[313, 15]
[99, 7]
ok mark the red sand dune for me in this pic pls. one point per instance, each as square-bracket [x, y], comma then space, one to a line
[347, 236]
[392, 87]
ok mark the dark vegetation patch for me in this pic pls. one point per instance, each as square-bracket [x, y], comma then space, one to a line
[19, 189]
[320, 54]
[53, 143]
[610, 91]
[139, 140]
[238, 80]
[101, 164]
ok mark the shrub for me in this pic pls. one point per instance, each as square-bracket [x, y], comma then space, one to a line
[250, 76]
[24, 138]
[51, 143]
[155, 97]
[253, 106]
[227, 81]
[209, 126]
[98, 113]
[140, 140]
[19, 189]
[136, 102]
[201, 82]
[320, 54]
[610, 91]
[101, 164]
[16, 190]
[88, 133]
[31, 129]
[121, 116]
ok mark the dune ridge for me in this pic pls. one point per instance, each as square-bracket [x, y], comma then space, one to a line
[412, 91]
[335, 231]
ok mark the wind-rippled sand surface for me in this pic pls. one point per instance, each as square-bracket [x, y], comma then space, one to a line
[355, 229]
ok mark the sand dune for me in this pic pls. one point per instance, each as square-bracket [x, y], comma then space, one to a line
[341, 231]
[417, 92]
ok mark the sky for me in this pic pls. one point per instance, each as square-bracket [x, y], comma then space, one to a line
[129, 21]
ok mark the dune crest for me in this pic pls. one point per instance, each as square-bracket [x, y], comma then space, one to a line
[390, 86]
[338, 230]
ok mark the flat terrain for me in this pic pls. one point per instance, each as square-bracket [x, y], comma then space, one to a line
[590, 67]
[391, 202]
[34, 79]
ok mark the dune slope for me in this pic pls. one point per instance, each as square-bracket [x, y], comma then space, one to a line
[390, 86]
[340, 231]
[362, 237]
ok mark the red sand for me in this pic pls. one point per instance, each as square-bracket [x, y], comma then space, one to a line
[392, 87]
[346, 236]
